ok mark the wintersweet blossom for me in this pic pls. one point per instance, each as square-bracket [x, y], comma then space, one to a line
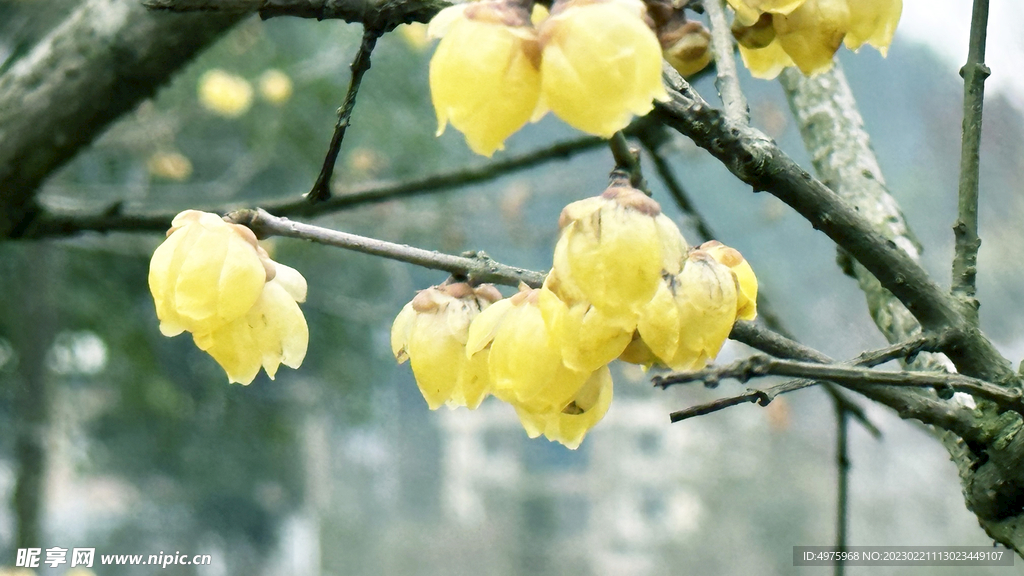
[211, 278]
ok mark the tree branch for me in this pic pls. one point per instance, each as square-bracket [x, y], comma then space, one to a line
[727, 80]
[114, 220]
[384, 16]
[477, 268]
[756, 160]
[104, 59]
[974, 72]
[760, 365]
[360, 64]
[627, 161]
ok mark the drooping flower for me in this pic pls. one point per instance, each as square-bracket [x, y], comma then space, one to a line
[525, 362]
[600, 64]
[484, 75]
[212, 278]
[613, 250]
[774, 34]
[570, 424]
[690, 316]
[431, 332]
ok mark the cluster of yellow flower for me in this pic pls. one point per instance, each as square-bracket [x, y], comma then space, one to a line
[623, 285]
[775, 34]
[213, 279]
[594, 63]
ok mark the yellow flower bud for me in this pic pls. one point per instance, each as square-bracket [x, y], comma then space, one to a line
[570, 424]
[687, 47]
[484, 75]
[600, 65]
[213, 279]
[225, 94]
[431, 332]
[691, 314]
[525, 363]
[873, 22]
[613, 249]
[812, 33]
[746, 281]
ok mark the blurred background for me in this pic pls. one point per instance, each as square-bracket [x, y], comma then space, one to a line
[339, 467]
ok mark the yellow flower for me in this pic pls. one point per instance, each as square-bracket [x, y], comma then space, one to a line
[213, 279]
[746, 281]
[525, 364]
[774, 34]
[431, 332]
[767, 62]
[484, 75]
[170, 165]
[613, 250]
[691, 315]
[813, 32]
[873, 22]
[600, 64]
[588, 337]
[570, 424]
[224, 94]
[275, 86]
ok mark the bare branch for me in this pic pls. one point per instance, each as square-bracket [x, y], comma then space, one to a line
[759, 365]
[383, 16]
[360, 64]
[627, 161]
[757, 160]
[965, 259]
[476, 269]
[727, 80]
[115, 220]
[103, 60]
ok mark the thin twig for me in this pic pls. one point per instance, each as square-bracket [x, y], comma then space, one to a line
[778, 345]
[842, 482]
[727, 80]
[627, 160]
[360, 64]
[114, 220]
[760, 365]
[476, 268]
[965, 259]
[381, 15]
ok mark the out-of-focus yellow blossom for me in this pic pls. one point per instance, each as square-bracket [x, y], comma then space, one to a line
[431, 332]
[613, 250]
[600, 64]
[224, 94]
[570, 424]
[539, 13]
[746, 281]
[212, 278]
[484, 75]
[170, 165]
[873, 22]
[275, 86]
[807, 33]
[414, 35]
[687, 47]
[691, 315]
[525, 363]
